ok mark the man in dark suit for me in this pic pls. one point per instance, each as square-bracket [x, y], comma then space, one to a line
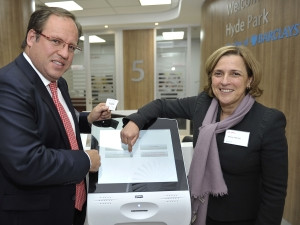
[39, 169]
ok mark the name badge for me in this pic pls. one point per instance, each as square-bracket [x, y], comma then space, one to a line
[236, 137]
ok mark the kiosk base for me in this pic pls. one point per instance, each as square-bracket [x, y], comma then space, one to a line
[144, 208]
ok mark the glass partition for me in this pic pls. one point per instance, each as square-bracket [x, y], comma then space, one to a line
[171, 58]
[103, 69]
[102, 74]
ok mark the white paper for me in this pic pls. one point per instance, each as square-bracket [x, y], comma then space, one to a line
[151, 160]
[111, 103]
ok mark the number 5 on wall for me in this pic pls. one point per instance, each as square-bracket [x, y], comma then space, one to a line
[141, 71]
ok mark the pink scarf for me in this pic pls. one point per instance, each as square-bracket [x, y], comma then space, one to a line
[205, 174]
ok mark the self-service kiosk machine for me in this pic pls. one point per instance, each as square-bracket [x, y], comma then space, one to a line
[147, 186]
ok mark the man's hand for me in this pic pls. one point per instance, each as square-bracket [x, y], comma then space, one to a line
[95, 159]
[99, 112]
[129, 134]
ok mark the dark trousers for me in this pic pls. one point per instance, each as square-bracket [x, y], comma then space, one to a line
[79, 216]
[210, 221]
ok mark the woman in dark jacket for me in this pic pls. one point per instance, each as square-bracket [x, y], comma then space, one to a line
[238, 174]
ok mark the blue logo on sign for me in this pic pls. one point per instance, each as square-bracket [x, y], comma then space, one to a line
[273, 35]
[254, 39]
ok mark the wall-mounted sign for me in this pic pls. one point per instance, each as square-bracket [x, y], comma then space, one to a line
[139, 70]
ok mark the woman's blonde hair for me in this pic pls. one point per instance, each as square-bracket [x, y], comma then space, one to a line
[252, 67]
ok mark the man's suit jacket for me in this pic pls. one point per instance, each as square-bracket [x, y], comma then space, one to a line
[256, 175]
[38, 171]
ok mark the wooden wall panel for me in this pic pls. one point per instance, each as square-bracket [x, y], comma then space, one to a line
[280, 60]
[14, 16]
[138, 45]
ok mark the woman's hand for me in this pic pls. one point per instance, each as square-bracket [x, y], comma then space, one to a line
[129, 134]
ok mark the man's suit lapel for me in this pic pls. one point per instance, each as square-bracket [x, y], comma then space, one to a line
[44, 93]
[30, 73]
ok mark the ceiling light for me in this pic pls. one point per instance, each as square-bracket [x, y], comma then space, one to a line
[68, 5]
[93, 39]
[155, 2]
[175, 35]
[201, 35]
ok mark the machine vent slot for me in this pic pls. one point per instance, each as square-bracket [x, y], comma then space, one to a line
[171, 198]
[105, 201]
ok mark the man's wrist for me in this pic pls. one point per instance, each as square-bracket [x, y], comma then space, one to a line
[89, 158]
